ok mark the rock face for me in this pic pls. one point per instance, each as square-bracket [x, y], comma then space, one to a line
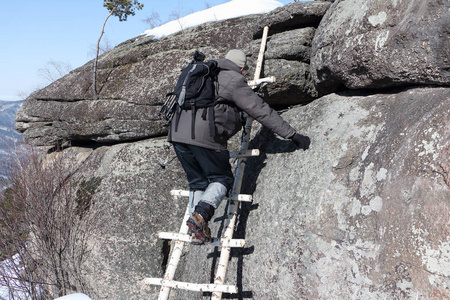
[131, 208]
[134, 78]
[376, 44]
[362, 214]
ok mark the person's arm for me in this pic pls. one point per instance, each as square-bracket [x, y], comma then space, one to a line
[254, 106]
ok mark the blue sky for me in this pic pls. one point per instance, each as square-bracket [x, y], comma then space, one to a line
[35, 33]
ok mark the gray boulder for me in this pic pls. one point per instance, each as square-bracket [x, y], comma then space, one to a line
[287, 58]
[376, 44]
[293, 81]
[363, 213]
[292, 16]
[129, 207]
[48, 122]
[291, 45]
[135, 76]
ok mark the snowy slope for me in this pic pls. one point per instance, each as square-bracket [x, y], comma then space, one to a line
[232, 9]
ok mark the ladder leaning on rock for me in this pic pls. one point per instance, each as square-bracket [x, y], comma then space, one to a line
[226, 242]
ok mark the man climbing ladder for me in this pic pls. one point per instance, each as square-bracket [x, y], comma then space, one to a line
[205, 158]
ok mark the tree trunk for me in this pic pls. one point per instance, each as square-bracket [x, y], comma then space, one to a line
[94, 75]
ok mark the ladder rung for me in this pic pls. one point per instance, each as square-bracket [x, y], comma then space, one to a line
[234, 243]
[192, 286]
[244, 153]
[179, 193]
[241, 197]
[254, 83]
[236, 197]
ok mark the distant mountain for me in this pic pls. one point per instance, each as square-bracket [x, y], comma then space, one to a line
[9, 138]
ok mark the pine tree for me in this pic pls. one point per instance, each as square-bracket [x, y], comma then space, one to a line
[121, 9]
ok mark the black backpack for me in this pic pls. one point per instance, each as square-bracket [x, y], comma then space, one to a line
[194, 89]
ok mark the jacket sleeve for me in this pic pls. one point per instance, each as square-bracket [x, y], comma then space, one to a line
[254, 106]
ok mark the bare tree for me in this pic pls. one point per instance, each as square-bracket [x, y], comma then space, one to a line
[104, 47]
[154, 20]
[54, 70]
[179, 13]
[45, 225]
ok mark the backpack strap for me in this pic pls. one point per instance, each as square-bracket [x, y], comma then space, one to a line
[177, 117]
[194, 112]
[212, 126]
[210, 110]
[183, 87]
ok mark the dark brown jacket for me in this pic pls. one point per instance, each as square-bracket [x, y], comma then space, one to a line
[233, 96]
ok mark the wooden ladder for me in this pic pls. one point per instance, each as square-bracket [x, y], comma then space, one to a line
[226, 242]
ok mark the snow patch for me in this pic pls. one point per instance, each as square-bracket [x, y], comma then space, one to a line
[77, 296]
[232, 9]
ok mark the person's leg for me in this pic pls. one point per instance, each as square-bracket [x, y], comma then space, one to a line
[196, 178]
[209, 171]
[194, 199]
[216, 167]
[198, 183]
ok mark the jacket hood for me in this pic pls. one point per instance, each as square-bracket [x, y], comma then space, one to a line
[226, 64]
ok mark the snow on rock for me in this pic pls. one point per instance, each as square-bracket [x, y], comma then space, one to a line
[77, 296]
[232, 9]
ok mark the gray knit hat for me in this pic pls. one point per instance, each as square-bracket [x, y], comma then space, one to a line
[238, 57]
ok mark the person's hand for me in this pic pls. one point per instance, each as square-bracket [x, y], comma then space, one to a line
[301, 141]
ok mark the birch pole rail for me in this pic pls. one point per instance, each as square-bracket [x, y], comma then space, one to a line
[234, 205]
[174, 259]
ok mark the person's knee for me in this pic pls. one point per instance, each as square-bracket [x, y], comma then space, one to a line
[226, 181]
[214, 194]
[198, 184]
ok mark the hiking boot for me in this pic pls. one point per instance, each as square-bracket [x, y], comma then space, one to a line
[200, 231]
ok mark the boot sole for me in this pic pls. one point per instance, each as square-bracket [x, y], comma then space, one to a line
[198, 234]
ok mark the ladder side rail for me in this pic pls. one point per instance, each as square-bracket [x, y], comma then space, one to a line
[174, 258]
[233, 207]
[232, 214]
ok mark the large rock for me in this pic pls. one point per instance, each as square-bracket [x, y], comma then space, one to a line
[287, 58]
[375, 44]
[57, 122]
[293, 81]
[130, 208]
[135, 76]
[292, 16]
[362, 214]
[291, 45]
